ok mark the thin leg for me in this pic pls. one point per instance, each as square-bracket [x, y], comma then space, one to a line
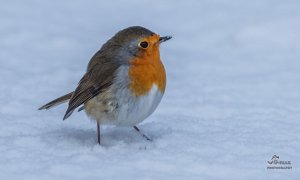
[98, 131]
[138, 130]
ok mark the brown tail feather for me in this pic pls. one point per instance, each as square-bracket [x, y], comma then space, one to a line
[57, 101]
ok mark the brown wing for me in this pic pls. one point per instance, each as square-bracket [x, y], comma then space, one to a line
[98, 78]
[57, 101]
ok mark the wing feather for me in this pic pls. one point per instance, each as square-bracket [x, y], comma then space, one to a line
[96, 80]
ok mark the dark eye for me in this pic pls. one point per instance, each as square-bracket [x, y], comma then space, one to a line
[143, 44]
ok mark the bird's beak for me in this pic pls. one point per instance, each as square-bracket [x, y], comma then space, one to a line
[165, 38]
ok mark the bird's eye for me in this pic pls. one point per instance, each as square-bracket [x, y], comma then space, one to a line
[143, 44]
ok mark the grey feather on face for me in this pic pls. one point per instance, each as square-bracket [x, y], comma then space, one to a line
[126, 41]
[121, 48]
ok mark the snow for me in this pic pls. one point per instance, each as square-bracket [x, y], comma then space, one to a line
[232, 98]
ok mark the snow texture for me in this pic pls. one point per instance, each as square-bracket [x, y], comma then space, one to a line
[232, 98]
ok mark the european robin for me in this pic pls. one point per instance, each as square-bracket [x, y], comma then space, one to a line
[124, 82]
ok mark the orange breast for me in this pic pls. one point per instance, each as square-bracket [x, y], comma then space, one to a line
[145, 71]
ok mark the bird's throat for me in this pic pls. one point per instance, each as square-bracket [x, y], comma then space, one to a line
[144, 73]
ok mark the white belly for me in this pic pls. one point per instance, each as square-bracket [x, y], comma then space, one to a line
[123, 109]
[134, 110]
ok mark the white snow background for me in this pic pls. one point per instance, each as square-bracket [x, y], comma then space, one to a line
[232, 98]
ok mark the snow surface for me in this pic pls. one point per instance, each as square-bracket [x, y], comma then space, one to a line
[232, 98]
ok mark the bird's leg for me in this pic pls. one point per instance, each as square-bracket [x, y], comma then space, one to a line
[138, 130]
[98, 131]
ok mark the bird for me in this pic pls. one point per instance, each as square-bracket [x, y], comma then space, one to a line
[124, 81]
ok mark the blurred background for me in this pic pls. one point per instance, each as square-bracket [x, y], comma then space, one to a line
[232, 98]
